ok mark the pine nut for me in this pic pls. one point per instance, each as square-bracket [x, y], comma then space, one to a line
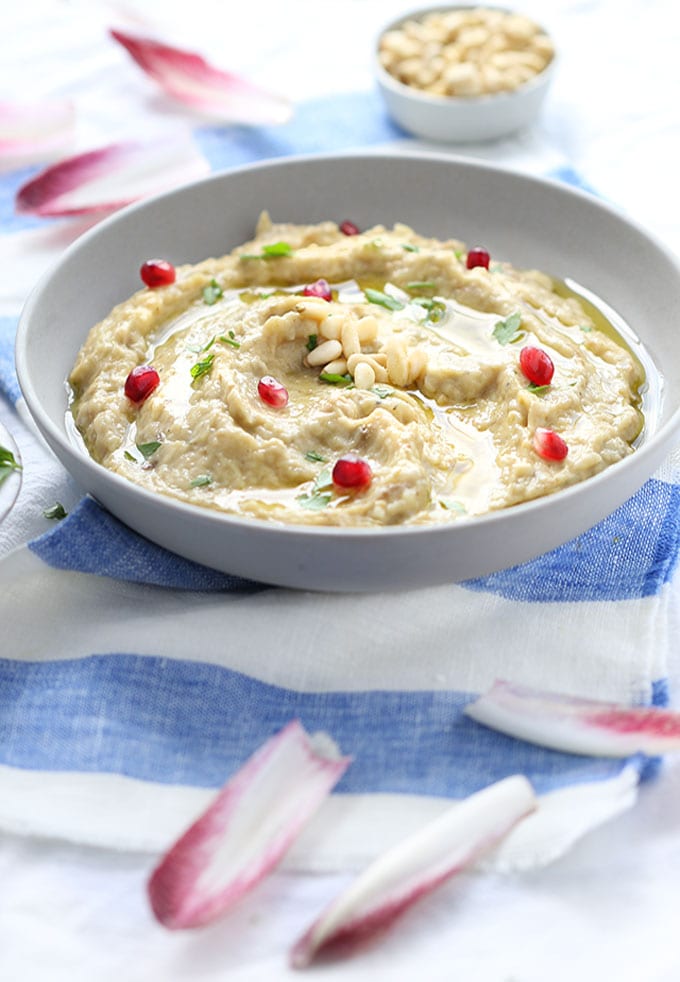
[337, 367]
[397, 362]
[364, 376]
[323, 353]
[350, 339]
[367, 329]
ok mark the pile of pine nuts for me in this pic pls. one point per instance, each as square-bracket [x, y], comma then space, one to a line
[466, 52]
[349, 344]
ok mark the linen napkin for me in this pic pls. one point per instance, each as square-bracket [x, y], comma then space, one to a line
[134, 682]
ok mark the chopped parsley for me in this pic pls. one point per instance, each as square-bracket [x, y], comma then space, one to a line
[538, 390]
[201, 481]
[409, 248]
[435, 309]
[315, 502]
[508, 331]
[332, 378]
[315, 458]
[202, 367]
[586, 328]
[8, 463]
[382, 391]
[383, 299]
[270, 251]
[421, 285]
[56, 512]
[148, 449]
[212, 292]
[321, 494]
[312, 342]
[452, 505]
[230, 340]
[129, 456]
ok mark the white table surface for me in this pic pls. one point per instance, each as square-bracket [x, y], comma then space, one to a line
[609, 909]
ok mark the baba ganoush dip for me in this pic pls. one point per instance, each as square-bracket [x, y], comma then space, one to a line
[318, 375]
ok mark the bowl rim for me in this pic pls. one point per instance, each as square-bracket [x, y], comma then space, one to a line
[443, 102]
[654, 447]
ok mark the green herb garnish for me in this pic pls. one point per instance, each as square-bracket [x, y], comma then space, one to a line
[129, 456]
[452, 505]
[332, 378]
[148, 449]
[314, 502]
[382, 391]
[202, 367]
[212, 292]
[270, 251]
[314, 457]
[421, 285]
[584, 327]
[321, 494]
[323, 480]
[312, 342]
[383, 299]
[435, 309]
[231, 340]
[508, 331]
[56, 512]
[410, 248]
[201, 482]
[537, 390]
[8, 463]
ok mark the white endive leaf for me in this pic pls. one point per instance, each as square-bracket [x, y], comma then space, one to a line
[189, 78]
[417, 865]
[110, 177]
[576, 726]
[247, 829]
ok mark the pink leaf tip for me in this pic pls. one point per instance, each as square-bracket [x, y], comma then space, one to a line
[247, 828]
[416, 866]
[189, 78]
[107, 178]
[578, 726]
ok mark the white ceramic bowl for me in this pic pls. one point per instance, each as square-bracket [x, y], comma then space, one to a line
[532, 222]
[449, 119]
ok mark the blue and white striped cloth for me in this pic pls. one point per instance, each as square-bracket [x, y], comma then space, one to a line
[134, 682]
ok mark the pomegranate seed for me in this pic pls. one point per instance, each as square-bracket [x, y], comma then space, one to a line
[549, 445]
[478, 257]
[272, 392]
[157, 272]
[536, 365]
[141, 382]
[319, 289]
[349, 228]
[352, 472]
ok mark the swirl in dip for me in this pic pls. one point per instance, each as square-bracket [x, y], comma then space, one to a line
[399, 355]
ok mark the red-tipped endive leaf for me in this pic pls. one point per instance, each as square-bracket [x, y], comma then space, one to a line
[416, 866]
[247, 829]
[108, 178]
[576, 726]
[190, 79]
[35, 130]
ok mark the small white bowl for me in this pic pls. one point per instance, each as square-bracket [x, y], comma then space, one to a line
[456, 119]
